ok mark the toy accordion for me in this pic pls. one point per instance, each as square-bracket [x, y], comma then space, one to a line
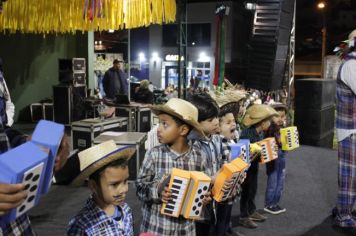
[241, 149]
[230, 171]
[289, 138]
[188, 189]
[269, 150]
[31, 165]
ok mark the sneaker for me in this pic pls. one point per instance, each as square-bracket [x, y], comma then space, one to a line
[257, 217]
[272, 210]
[247, 223]
[281, 209]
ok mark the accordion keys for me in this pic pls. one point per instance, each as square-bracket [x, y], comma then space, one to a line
[269, 150]
[289, 138]
[178, 185]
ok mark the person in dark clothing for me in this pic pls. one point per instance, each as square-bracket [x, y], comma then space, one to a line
[257, 119]
[115, 80]
[143, 94]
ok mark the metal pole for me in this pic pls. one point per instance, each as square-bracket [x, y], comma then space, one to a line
[129, 62]
[323, 47]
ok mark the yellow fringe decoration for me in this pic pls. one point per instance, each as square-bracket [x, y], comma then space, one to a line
[68, 16]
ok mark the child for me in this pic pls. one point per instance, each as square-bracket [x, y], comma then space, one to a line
[276, 169]
[257, 118]
[211, 144]
[176, 118]
[229, 135]
[105, 212]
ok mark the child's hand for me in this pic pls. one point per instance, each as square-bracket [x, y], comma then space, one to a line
[166, 195]
[207, 198]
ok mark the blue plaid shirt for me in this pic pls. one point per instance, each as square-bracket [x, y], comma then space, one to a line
[92, 220]
[21, 226]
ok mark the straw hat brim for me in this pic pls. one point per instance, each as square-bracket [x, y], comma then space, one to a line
[120, 153]
[248, 120]
[279, 106]
[159, 109]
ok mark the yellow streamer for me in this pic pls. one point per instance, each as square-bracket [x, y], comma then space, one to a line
[67, 16]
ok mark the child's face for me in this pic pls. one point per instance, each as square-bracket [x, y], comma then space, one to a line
[113, 185]
[228, 126]
[210, 126]
[281, 119]
[168, 130]
[266, 124]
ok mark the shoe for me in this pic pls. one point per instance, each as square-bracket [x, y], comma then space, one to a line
[281, 209]
[272, 210]
[247, 223]
[257, 217]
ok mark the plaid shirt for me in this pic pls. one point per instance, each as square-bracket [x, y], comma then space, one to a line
[92, 220]
[21, 226]
[346, 102]
[157, 164]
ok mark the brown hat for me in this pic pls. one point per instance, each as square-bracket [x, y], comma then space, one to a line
[279, 105]
[257, 113]
[181, 109]
[96, 157]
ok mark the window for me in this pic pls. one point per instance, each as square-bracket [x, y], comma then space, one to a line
[198, 35]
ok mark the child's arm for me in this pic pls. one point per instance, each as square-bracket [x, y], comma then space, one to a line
[148, 180]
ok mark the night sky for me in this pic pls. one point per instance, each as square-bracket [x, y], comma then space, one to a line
[309, 22]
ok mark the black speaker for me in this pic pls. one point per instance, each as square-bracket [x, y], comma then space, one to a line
[72, 71]
[326, 140]
[68, 103]
[314, 93]
[269, 43]
[313, 122]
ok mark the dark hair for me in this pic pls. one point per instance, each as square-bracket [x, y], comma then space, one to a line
[122, 162]
[207, 107]
[232, 107]
[281, 109]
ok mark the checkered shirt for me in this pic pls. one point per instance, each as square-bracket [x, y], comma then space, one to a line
[92, 220]
[346, 102]
[158, 163]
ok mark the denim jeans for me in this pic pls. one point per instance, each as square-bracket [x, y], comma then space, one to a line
[276, 172]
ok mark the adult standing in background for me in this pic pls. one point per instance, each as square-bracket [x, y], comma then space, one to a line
[7, 108]
[115, 80]
[346, 135]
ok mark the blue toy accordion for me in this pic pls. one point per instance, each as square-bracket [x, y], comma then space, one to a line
[241, 149]
[31, 164]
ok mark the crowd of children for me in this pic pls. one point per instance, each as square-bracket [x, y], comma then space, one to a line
[193, 136]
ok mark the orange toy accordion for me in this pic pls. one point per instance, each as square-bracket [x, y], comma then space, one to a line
[234, 171]
[188, 189]
[269, 150]
[289, 138]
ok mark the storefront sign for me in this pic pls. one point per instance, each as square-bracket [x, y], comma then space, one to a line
[173, 57]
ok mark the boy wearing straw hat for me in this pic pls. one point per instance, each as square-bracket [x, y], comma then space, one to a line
[257, 119]
[105, 212]
[176, 118]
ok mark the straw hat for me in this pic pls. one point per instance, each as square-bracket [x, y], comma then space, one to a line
[228, 96]
[181, 109]
[279, 105]
[351, 39]
[95, 157]
[257, 113]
